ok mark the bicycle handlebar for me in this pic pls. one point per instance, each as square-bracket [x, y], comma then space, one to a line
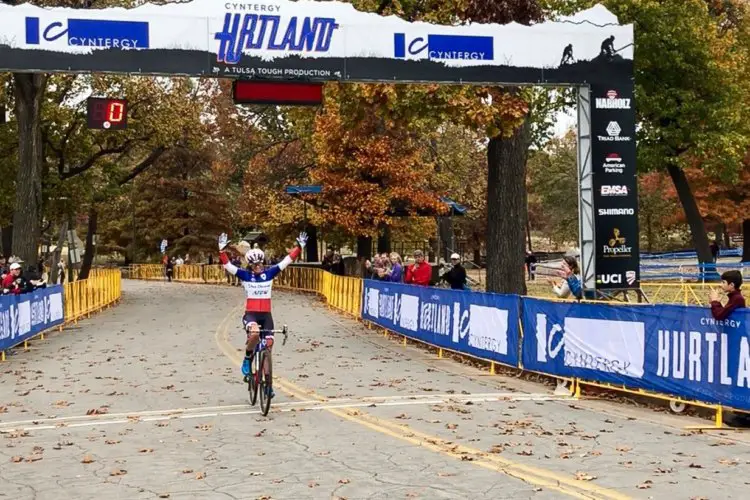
[284, 331]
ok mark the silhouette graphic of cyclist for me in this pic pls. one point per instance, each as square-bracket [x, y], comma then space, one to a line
[608, 47]
[567, 56]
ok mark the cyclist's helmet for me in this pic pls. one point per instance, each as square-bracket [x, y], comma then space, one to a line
[255, 256]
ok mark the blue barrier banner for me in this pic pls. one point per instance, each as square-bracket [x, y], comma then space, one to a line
[483, 325]
[676, 350]
[25, 316]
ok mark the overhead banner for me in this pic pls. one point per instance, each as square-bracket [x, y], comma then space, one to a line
[615, 186]
[317, 41]
[675, 350]
[27, 315]
[483, 325]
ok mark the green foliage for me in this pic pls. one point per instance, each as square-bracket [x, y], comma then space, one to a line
[553, 190]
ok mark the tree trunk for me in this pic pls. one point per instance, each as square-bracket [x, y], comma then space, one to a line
[478, 256]
[311, 250]
[746, 240]
[7, 240]
[364, 247]
[88, 256]
[694, 219]
[447, 237]
[720, 234]
[384, 239]
[506, 211]
[528, 231]
[53, 271]
[725, 231]
[29, 93]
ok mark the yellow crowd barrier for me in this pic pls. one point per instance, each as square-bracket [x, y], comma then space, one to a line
[85, 297]
[345, 294]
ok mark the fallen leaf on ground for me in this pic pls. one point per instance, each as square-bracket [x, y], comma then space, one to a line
[623, 448]
[163, 495]
[16, 459]
[497, 448]
[582, 476]
[446, 474]
[451, 426]
[344, 481]
[403, 416]
[564, 455]
[187, 471]
[112, 441]
[87, 459]
[645, 485]
[200, 475]
[97, 411]
[259, 434]
[256, 473]
[33, 458]
[204, 427]
[146, 450]
[728, 461]
[526, 453]
[118, 472]
[695, 466]
[312, 484]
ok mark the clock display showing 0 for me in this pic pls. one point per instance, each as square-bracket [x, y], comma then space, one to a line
[106, 113]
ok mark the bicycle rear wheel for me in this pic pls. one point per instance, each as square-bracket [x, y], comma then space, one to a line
[264, 383]
[252, 381]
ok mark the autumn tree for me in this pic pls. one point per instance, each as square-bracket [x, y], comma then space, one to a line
[83, 168]
[553, 189]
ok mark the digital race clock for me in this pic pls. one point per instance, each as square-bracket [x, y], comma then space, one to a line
[106, 113]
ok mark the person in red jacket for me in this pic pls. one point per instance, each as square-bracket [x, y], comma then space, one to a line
[14, 282]
[419, 273]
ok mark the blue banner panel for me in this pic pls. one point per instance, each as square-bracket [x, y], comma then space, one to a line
[483, 325]
[25, 316]
[676, 350]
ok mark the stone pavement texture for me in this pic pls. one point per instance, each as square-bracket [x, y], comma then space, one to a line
[145, 401]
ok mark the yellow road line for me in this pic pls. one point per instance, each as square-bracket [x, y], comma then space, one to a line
[527, 473]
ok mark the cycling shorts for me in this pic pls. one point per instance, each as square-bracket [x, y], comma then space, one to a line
[263, 319]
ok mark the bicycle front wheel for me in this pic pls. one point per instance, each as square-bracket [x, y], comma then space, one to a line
[264, 382]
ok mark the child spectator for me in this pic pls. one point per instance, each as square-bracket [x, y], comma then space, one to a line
[731, 282]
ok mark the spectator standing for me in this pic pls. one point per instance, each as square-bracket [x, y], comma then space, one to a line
[715, 251]
[169, 269]
[572, 281]
[456, 276]
[731, 282]
[419, 273]
[338, 265]
[327, 262]
[396, 272]
[531, 264]
[14, 282]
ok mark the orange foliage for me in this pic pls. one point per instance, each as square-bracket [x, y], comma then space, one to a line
[368, 164]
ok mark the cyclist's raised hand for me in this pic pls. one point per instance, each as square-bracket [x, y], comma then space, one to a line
[302, 239]
[223, 241]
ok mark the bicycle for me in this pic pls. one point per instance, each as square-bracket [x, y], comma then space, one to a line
[257, 380]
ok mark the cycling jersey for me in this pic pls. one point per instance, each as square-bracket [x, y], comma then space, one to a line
[258, 285]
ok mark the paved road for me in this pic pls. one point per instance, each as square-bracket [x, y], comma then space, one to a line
[357, 416]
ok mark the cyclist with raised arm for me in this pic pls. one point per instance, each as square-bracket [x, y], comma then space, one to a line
[258, 283]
